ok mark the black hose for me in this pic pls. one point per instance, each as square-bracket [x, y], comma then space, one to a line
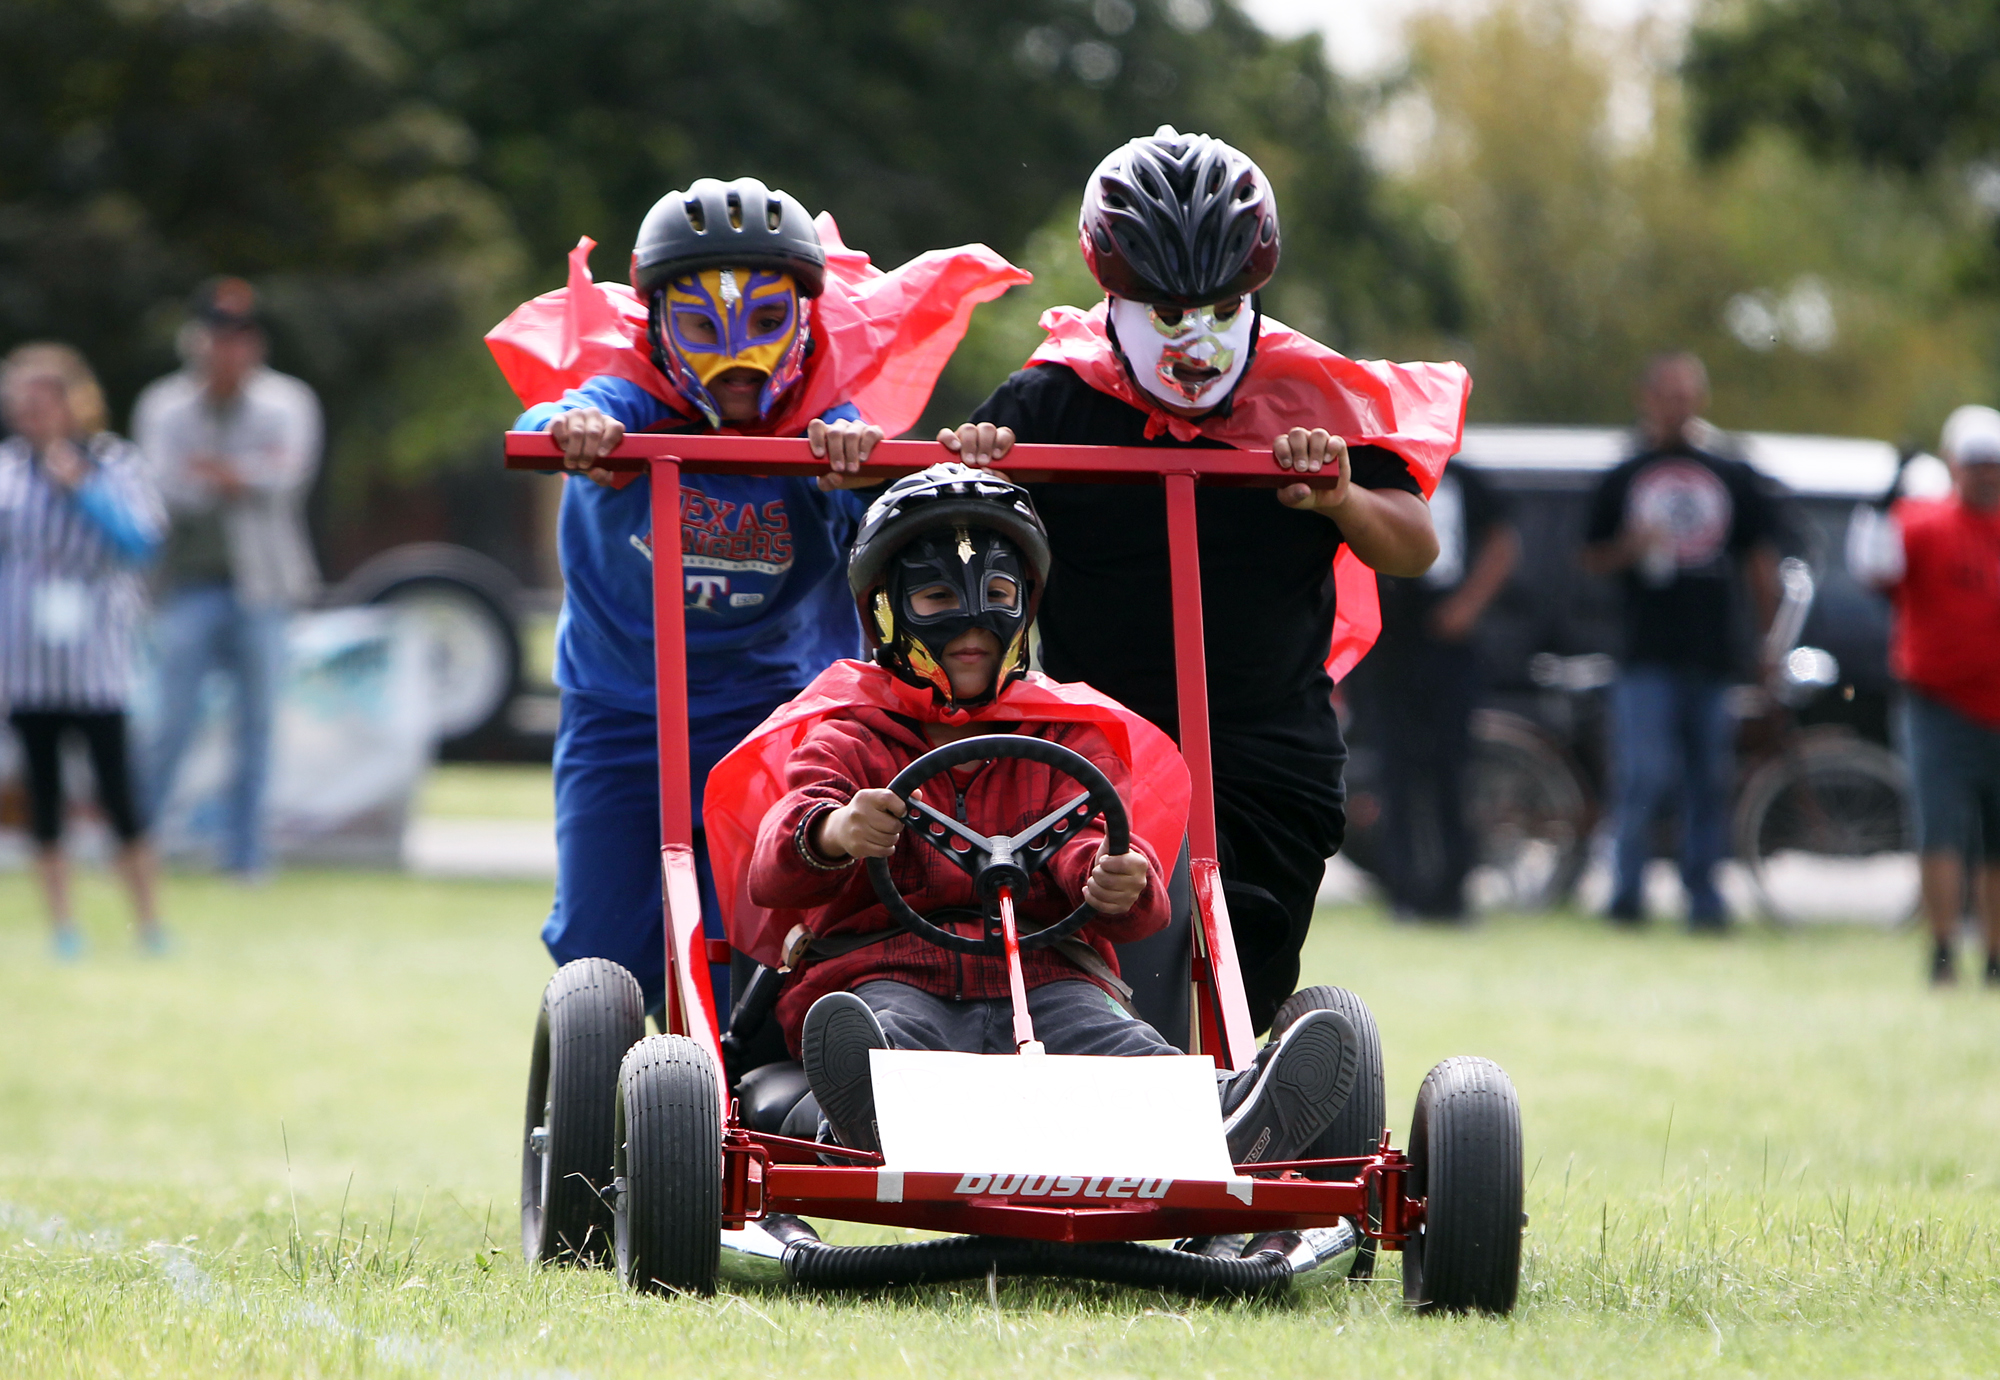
[815, 1264]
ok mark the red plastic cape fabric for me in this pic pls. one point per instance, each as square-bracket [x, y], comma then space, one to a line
[880, 339]
[745, 784]
[1416, 410]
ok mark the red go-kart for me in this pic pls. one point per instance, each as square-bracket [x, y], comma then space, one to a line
[688, 1157]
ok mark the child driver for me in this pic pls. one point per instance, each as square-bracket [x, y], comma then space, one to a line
[947, 570]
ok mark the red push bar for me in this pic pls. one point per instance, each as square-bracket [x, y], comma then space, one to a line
[1222, 1019]
[709, 454]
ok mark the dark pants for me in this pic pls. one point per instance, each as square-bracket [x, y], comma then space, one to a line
[103, 735]
[607, 786]
[1419, 703]
[1280, 814]
[1070, 1018]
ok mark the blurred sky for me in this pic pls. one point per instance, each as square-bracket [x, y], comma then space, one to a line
[1364, 37]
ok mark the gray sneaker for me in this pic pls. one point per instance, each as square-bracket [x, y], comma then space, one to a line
[1272, 1110]
[834, 1042]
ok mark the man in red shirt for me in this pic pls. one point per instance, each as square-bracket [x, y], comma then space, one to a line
[948, 568]
[1939, 562]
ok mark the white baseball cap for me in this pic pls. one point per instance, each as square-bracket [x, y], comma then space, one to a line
[1971, 436]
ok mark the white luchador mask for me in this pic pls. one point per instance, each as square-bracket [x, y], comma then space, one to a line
[1189, 357]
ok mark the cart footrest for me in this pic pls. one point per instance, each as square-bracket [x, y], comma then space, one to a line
[815, 1265]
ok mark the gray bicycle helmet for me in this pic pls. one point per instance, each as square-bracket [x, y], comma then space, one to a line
[1179, 220]
[716, 224]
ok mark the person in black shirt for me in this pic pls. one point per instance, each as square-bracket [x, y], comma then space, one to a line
[1181, 230]
[1417, 690]
[1677, 522]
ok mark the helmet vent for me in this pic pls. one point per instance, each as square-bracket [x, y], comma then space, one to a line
[774, 214]
[696, 216]
[1215, 180]
[736, 210]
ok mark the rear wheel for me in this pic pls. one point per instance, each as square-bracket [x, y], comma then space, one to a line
[1465, 1165]
[1358, 1128]
[1824, 829]
[669, 1167]
[591, 1014]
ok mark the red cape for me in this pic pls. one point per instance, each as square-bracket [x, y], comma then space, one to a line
[1415, 410]
[881, 339]
[745, 784]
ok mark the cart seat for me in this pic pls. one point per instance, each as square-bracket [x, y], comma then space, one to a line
[1157, 967]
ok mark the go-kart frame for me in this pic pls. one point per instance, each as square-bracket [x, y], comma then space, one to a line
[764, 1175]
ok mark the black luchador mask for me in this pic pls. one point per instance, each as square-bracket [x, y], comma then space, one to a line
[943, 584]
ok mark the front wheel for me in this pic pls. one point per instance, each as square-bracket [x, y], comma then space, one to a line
[668, 1212]
[1465, 1165]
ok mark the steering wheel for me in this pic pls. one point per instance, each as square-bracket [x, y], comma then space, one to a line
[1003, 860]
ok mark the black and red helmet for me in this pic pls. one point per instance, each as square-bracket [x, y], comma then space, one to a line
[1179, 220]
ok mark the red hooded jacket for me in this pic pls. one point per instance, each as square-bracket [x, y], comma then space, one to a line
[856, 726]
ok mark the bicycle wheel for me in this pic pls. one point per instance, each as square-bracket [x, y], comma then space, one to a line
[1529, 812]
[1824, 830]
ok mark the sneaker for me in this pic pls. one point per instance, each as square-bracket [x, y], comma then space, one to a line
[834, 1042]
[1625, 915]
[1272, 1110]
[66, 944]
[1993, 970]
[154, 942]
[1944, 968]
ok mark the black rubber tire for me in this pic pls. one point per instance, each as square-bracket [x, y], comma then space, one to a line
[1358, 1128]
[591, 1014]
[485, 590]
[1465, 1163]
[668, 1223]
[1830, 794]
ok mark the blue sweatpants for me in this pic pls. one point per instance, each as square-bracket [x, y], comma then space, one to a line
[608, 901]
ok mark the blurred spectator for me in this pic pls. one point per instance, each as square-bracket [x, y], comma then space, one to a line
[233, 445]
[1939, 561]
[1676, 521]
[78, 516]
[1418, 688]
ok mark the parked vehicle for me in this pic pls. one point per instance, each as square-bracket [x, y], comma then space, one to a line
[1821, 798]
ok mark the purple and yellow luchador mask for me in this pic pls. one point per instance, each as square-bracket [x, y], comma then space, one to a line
[733, 318]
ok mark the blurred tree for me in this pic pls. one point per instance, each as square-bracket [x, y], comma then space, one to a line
[1824, 299]
[147, 144]
[917, 124]
[1897, 83]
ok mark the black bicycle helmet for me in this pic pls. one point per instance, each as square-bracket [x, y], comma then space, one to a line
[949, 494]
[716, 224]
[1179, 220]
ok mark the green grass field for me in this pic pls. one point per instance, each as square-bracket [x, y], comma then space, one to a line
[289, 1150]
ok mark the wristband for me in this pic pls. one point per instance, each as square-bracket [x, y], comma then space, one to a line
[813, 858]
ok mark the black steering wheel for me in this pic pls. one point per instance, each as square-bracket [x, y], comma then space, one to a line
[1003, 860]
